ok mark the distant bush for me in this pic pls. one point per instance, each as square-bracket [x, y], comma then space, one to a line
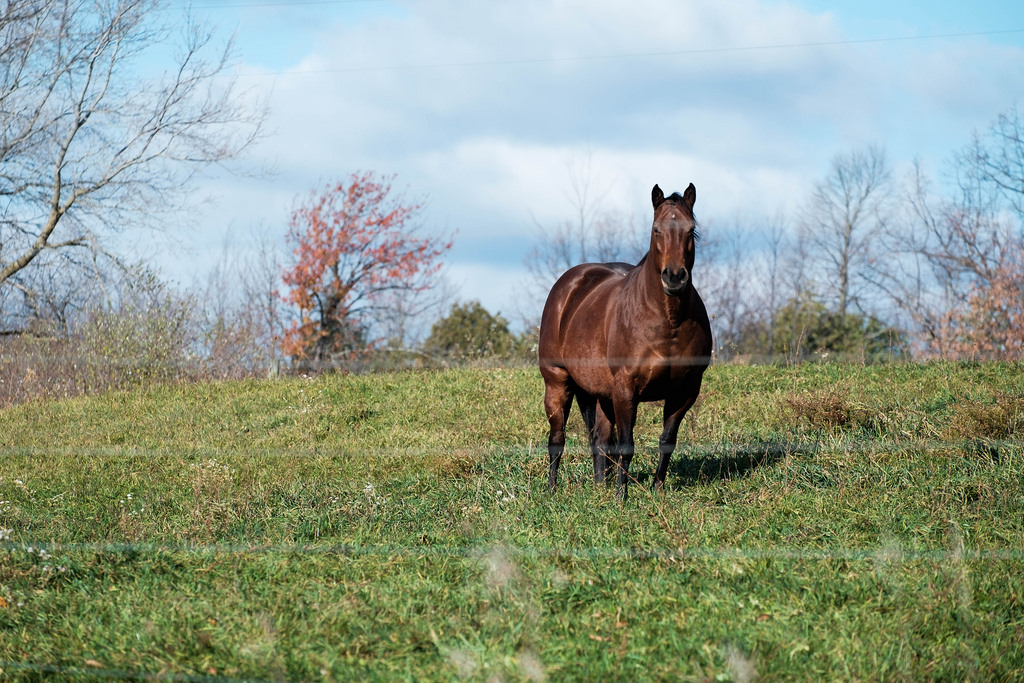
[145, 333]
[805, 329]
[472, 334]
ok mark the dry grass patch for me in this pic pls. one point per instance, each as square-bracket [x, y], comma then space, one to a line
[827, 409]
[1000, 418]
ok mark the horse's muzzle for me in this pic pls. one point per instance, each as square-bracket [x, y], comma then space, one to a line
[675, 281]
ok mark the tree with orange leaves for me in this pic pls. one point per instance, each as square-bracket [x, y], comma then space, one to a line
[992, 326]
[356, 253]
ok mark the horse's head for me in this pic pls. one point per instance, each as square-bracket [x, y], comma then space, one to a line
[673, 237]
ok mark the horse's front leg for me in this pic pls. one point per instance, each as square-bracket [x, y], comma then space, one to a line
[675, 410]
[600, 431]
[604, 439]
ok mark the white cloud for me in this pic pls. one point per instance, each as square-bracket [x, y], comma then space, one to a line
[651, 91]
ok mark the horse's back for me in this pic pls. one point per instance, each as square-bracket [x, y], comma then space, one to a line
[587, 290]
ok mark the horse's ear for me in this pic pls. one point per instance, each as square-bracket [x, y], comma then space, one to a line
[657, 196]
[690, 196]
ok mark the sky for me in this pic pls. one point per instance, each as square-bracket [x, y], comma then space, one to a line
[487, 109]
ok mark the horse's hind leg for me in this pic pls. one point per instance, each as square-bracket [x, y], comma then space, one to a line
[625, 404]
[558, 395]
[605, 429]
[599, 432]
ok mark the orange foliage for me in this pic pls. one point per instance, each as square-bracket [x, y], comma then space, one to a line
[353, 245]
[992, 326]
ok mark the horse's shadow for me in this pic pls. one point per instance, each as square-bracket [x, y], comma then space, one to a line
[736, 462]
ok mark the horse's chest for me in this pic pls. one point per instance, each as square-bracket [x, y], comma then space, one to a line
[667, 366]
[660, 378]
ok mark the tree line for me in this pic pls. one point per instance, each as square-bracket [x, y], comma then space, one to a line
[872, 266]
[881, 266]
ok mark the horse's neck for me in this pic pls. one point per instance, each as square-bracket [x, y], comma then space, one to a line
[674, 310]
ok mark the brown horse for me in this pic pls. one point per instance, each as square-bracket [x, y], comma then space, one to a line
[614, 335]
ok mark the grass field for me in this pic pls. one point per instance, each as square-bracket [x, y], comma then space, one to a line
[819, 522]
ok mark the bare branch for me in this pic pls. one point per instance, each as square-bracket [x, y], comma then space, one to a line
[845, 210]
[86, 145]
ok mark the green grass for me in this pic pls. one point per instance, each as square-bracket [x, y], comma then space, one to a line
[819, 522]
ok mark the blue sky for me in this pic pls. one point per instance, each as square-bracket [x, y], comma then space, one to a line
[482, 108]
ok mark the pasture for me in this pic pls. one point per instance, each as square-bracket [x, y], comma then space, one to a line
[818, 522]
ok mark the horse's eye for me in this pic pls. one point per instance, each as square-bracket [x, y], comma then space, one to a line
[656, 229]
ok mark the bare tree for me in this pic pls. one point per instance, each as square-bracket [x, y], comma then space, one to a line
[953, 266]
[995, 161]
[49, 298]
[749, 270]
[776, 238]
[88, 146]
[608, 236]
[241, 312]
[908, 271]
[593, 234]
[725, 282]
[846, 208]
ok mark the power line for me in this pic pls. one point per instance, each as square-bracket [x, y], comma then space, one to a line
[635, 55]
[289, 3]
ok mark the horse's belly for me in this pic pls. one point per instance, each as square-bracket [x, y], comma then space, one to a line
[592, 376]
[587, 361]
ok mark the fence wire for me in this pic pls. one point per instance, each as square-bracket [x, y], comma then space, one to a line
[93, 672]
[519, 552]
[840, 443]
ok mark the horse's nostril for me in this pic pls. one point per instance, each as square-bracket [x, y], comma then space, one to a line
[675, 275]
[675, 281]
